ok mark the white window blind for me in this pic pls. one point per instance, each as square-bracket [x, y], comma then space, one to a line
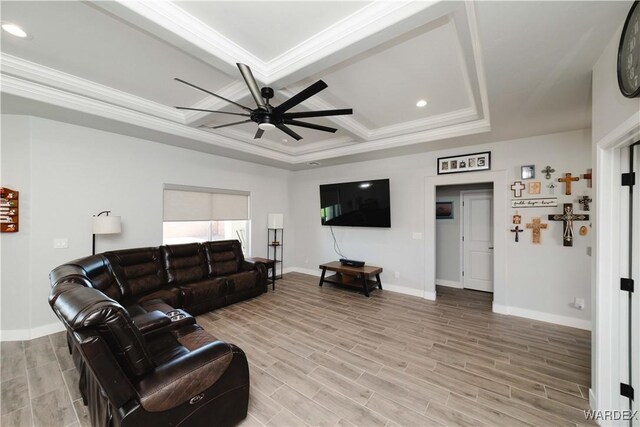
[185, 205]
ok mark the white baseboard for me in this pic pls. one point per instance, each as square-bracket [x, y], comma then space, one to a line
[429, 295]
[29, 334]
[449, 283]
[542, 316]
[308, 271]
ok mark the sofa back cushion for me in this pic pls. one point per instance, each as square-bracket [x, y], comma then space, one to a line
[223, 257]
[95, 268]
[184, 263]
[81, 309]
[138, 271]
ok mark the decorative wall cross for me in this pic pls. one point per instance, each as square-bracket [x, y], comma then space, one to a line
[567, 182]
[584, 201]
[547, 172]
[517, 230]
[535, 226]
[567, 217]
[588, 176]
[517, 188]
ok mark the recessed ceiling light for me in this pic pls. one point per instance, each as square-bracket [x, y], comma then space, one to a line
[421, 103]
[313, 164]
[285, 140]
[14, 30]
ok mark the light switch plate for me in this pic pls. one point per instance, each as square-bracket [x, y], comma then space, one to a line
[417, 236]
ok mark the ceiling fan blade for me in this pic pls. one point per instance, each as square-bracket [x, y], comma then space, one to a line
[212, 94]
[252, 84]
[212, 111]
[228, 124]
[319, 113]
[289, 132]
[258, 134]
[309, 125]
[300, 97]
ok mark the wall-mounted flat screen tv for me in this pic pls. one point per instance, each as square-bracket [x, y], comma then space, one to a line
[356, 204]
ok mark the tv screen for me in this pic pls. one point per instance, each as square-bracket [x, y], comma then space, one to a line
[356, 204]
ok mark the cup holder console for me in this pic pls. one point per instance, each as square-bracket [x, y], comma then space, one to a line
[176, 315]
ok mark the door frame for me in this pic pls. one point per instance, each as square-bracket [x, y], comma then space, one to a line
[605, 334]
[500, 202]
[462, 193]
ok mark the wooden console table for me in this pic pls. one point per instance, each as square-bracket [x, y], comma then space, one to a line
[352, 276]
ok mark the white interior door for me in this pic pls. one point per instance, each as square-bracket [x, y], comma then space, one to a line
[477, 240]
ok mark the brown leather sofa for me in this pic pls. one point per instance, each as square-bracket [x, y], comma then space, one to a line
[173, 374]
[128, 314]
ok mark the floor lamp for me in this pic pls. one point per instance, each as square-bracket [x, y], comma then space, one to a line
[105, 225]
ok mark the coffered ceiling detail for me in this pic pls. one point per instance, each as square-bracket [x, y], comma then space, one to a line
[116, 60]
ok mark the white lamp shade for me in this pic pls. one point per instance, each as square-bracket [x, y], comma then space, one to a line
[106, 225]
[275, 220]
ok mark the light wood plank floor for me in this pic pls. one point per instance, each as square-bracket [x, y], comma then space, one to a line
[332, 357]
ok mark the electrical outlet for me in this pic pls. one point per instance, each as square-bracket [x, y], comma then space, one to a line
[61, 243]
[588, 250]
[579, 303]
[306, 260]
[397, 274]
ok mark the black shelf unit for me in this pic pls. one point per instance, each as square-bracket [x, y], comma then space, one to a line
[275, 239]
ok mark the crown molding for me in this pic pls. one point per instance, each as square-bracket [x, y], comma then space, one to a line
[462, 129]
[37, 92]
[27, 70]
[173, 18]
[356, 27]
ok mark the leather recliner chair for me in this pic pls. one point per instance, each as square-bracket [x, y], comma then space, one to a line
[177, 375]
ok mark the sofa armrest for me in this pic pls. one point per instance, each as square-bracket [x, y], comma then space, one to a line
[248, 266]
[151, 321]
[174, 383]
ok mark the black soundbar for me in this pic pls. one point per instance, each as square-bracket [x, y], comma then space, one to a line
[351, 262]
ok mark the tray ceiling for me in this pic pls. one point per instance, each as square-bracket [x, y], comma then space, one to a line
[115, 61]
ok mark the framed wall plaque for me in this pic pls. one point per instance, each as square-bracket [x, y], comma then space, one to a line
[466, 163]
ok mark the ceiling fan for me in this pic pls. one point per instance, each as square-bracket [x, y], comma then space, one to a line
[270, 117]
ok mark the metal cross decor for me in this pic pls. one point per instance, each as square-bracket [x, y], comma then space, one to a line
[584, 201]
[567, 182]
[517, 188]
[588, 176]
[567, 217]
[535, 226]
[547, 172]
[517, 230]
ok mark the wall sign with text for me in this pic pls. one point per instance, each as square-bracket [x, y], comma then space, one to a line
[534, 203]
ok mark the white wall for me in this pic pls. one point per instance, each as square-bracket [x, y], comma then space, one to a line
[448, 235]
[542, 280]
[66, 174]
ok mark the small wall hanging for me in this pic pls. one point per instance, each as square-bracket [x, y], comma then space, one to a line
[444, 210]
[536, 226]
[547, 172]
[568, 179]
[528, 172]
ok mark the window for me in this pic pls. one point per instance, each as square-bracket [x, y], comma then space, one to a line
[194, 214]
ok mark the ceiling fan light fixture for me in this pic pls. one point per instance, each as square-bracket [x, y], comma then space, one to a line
[421, 103]
[267, 126]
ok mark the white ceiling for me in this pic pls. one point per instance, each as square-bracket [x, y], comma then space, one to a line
[489, 70]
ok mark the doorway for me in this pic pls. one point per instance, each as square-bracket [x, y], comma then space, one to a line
[464, 236]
